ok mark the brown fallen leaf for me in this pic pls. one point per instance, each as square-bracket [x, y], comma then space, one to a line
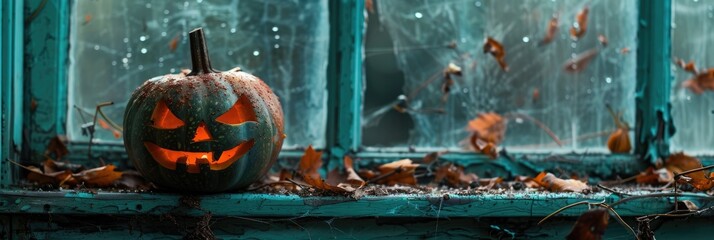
[397, 172]
[619, 140]
[57, 147]
[308, 168]
[581, 24]
[701, 82]
[489, 127]
[432, 157]
[687, 67]
[448, 81]
[99, 177]
[527, 181]
[555, 184]
[580, 61]
[174, 43]
[680, 162]
[133, 180]
[652, 176]
[590, 225]
[352, 177]
[496, 50]
[454, 176]
[551, 30]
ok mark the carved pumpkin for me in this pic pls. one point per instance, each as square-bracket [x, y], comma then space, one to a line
[205, 131]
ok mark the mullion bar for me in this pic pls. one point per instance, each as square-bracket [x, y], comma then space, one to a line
[11, 73]
[654, 125]
[345, 78]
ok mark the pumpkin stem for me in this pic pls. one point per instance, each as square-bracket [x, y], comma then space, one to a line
[199, 54]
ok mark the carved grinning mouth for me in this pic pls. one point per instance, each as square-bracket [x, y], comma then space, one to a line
[218, 160]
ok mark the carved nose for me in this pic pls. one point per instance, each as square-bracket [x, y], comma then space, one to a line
[202, 133]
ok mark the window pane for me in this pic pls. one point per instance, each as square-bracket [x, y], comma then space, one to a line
[692, 40]
[410, 43]
[117, 45]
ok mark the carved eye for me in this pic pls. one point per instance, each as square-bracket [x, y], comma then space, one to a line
[240, 112]
[163, 118]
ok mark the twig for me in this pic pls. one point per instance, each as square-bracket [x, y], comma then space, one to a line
[633, 197]
[537, 123]
[566, 207]
[94, 123]
[619, 194]
[296, 183]
[674, 214]
[36, 12]
[383, 176]
[692, 170]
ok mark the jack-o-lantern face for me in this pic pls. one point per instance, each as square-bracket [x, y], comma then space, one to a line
[205, 131]
[162, 118]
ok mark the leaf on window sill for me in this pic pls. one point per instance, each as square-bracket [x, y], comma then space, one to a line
[309, 166]
[454, 176]
[555, 184]
[652, 176]
[680, 162]
[397, 172]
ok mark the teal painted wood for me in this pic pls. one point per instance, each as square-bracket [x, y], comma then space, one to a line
[654, 125]
[345, 84]
[46, 49]
[496, 204]
[46, 226]
[11, 73]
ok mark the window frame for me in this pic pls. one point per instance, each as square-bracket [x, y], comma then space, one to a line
[47, 85]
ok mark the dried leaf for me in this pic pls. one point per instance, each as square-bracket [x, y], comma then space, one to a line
[497, 51]
[57, 147]
[619, 140]
[401, 172]
[652, 176]
[99, 177]
[527, 181]
[679, 162]
[552, 29]
[701, 82]
[581, 24]
[489, 183]
[489, 127]
[687, 205]
[590, 225]
[310, 163]
[432, 157]
[133, 180]
[688, 67]
[580, 62]
[174, 43]
[352, 177]
[555, 184]
[454, 176]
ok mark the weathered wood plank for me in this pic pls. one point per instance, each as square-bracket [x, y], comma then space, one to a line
[514, 204]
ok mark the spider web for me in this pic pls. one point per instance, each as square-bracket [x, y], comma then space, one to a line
[572, 105]
[117, 45]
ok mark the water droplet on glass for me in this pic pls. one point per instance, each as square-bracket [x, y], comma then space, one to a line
[233, 30]
[608, 80]
[276, 46]
[126, 40]
[573, 45]
[128, 55]
[143, 50]
[696, 0]
[256, 53]
[141, 67]
[125, 60]
[477, 3]
[166, 11]
[148, 5]
[223, 25]
[526, 39]
[199, 1]
[519, 120]
[465, 90]
[114, 63]
[185, 4]
[277, 37]
[166, 20]
[230, 53]
[142, 38]
[96, 47]
[275, 29]
[173, 70]
[161, 59]
[418, 15]
[163, 34]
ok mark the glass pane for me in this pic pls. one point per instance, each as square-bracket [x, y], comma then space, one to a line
[117, 45]
[692, 112]
[410, 43]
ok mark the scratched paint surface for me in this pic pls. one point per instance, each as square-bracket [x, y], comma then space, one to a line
[691, 38]
[572, 105]
[117, 45]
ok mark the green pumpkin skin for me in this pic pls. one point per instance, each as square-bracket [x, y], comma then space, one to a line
[203, 98]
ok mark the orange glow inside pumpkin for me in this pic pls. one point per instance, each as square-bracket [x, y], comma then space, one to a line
[241, 111]
[170, 158]
[202, 133]
[163, 118]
